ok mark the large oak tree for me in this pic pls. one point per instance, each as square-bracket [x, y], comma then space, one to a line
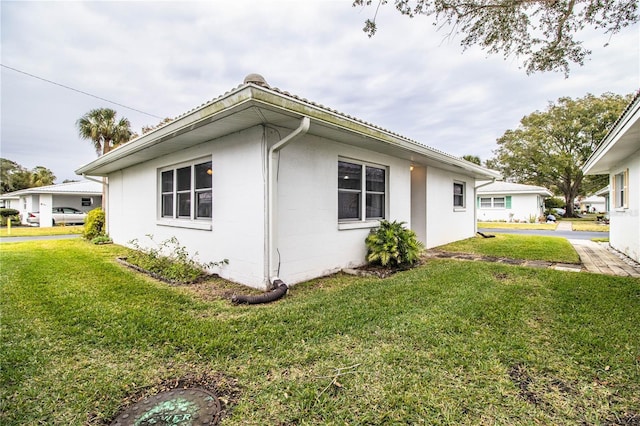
[550, 147]
[541, 32]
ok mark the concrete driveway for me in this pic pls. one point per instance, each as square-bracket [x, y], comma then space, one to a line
[41, 237]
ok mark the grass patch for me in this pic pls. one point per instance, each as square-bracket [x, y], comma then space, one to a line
[447, 343]
[507, 225]
[590, 227]
[35, 231]
[528, 247]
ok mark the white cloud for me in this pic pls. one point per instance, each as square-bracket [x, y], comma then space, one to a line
[166, 58]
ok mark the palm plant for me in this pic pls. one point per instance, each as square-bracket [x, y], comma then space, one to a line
[100, 126]
[393, 245]
[41, 176]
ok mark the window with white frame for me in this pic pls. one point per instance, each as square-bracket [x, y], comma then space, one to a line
[186, 191]
[458, 195]
[362, 191]
[621, 191]
[492, 202]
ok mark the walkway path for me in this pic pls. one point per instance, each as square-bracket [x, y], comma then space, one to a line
[601, 259]
[598, 258]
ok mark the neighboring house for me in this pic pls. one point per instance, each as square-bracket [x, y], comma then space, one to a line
[281, 186]
[511, 202]
[9, 201]
[618, 155]
[592, 204]
[604, 193]
[85, 195]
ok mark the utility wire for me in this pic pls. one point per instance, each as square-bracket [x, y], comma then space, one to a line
[79, 91]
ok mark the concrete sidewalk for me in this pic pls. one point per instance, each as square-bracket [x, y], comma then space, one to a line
[601, 259]
[564, 225]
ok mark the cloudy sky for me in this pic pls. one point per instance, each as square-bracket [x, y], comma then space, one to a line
[161, 59]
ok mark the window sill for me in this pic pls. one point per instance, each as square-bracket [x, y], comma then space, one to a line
[189, 224]
[358, 225]
[459, 209]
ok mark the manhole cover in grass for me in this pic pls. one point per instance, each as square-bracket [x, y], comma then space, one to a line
[182, 407]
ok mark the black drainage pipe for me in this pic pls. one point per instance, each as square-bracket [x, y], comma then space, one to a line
[486, 235]
[271, 296]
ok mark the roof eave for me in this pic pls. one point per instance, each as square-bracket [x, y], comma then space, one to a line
[250, 95]
[595, 164]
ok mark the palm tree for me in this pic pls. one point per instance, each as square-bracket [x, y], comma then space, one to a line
[41, 176]
[100, 126]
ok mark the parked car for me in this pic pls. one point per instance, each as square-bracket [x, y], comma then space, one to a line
[61, 216]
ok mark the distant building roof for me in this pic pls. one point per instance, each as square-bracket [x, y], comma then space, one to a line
[84, 187]
[604, 192]
[513, 188]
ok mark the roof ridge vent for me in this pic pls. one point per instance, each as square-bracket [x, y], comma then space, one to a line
[256, 79]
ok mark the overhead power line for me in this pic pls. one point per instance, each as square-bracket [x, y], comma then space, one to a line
[79, 91]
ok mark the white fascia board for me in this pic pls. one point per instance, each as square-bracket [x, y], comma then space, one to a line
[183, 124]
[628, 118]
[287, 104]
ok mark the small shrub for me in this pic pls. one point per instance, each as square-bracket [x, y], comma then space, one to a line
[393, 245]
[7, 215]
[170, 260]
[94, 224]
[102, 239]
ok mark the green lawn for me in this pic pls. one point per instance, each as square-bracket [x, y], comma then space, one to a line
[551, 249]
[447, 343]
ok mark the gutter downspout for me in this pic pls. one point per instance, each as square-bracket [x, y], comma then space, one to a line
[475, 204]
[302, 129]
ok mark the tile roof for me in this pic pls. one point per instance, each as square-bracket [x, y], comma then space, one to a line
[316, 105]
[500, 187]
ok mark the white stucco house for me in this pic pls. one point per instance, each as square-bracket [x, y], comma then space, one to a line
[281, 186]
[9, 201]
[84, 195]
[593, 203]
[605, 193]
[618, 155]
[510, 202]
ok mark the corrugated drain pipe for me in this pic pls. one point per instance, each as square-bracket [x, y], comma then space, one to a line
[280, 290]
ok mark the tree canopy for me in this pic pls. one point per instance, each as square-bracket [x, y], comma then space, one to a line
[541, 32]
[472, 159]
[550, 147]
[103, 129]
[14, 177]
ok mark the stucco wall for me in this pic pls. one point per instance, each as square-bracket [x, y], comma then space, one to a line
[444, 223]
[76, 201]
[624, 230]
[29, 203]
[522, 207]
[237, 226]
[310, 241]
